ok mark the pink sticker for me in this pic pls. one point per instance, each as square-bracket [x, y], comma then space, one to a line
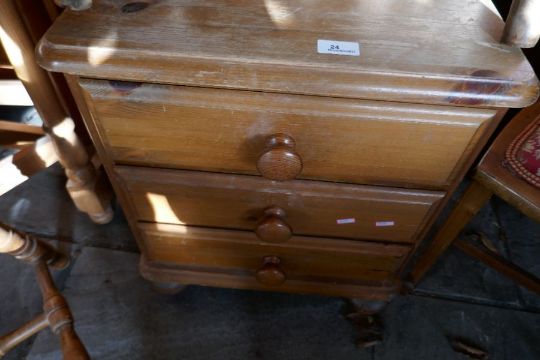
[346, 221]
[384, 223]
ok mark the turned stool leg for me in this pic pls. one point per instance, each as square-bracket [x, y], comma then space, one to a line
[88, 190]
[472, 201]
[522, 24]
[56, 312]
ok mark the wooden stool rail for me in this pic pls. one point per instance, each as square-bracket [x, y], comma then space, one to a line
[56, 313]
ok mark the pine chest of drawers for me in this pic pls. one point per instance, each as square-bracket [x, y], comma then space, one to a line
[286, 145]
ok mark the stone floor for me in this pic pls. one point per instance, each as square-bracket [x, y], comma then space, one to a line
[119, 317]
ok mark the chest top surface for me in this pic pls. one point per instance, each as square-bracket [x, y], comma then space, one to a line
[427, 51]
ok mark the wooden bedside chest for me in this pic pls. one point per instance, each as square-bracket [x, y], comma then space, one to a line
[286, 145]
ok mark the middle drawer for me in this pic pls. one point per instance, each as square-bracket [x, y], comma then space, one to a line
[276, 210]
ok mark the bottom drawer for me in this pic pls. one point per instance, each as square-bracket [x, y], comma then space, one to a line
[301, 260]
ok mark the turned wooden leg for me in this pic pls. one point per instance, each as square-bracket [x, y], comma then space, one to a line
[56, 312]
[167, 288]
[29, 249]
[366, 316]
[88, 190]
[472, 201]
[522, 24]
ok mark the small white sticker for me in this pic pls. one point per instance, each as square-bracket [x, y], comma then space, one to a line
[346, 221]
[384, 223]
[338, 47]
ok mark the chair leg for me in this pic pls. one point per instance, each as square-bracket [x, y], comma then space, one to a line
[500, 264]
[472, 201]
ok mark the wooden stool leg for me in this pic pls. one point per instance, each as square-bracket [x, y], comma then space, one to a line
[472, 201]
[30, 249]
[56, 313]
[14, 338]
[522, 24]
[87, 190]
[59, 316]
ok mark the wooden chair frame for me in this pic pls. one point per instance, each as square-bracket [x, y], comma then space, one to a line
[491, 178]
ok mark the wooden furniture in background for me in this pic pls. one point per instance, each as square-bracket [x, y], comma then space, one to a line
[522, 24]
[86, 186]
[490, 178]
[17, 135]
[56, 312]
[247, 153]
[12, 91]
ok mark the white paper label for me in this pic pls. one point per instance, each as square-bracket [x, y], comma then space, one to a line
[338, 47]
[384, 223]
[346, 221]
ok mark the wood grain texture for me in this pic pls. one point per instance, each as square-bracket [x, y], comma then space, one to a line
[337, 139]
[270, 272]
[491, 177]
[272, 227]
[160, 272]
[18, 135]
[279, 161]
[474, 152]
[523, 24]
[311, 208]
[441, 52]
[17, 336]
[470, 203]
[306, 258]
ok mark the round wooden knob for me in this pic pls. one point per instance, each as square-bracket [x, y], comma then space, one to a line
[270, 273]
[272, 228]
[279, 161]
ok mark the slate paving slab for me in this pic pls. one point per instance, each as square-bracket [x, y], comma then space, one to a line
[420, 328]
[523, 241]
[20, 300]
[460, 277]
[118, 316]
[41, 205]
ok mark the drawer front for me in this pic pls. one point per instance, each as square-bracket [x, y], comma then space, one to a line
[283, 136]
[301, 258]
[276, 209]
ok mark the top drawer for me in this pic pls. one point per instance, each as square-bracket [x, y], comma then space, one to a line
[283, 136]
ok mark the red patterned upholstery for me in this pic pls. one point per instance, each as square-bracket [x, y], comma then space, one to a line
[523, 154]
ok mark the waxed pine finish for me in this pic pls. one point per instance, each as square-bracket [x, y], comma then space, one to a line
[246, 154]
